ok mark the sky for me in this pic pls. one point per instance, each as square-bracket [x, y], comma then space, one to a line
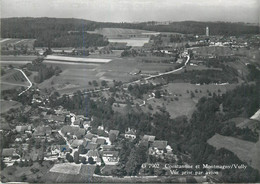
[136, 10]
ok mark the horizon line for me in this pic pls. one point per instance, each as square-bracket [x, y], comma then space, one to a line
[137, 22]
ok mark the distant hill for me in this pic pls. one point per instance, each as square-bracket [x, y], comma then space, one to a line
[60, 32]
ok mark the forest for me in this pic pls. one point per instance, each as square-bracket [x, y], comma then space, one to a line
[52, 32]
[69, 32]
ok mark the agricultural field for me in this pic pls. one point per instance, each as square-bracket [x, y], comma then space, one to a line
[7, 105]
[13, 79]
[70, 80]
[133, 42]
[178, 101]
[18, 43]
[245, 150]
[66, 168]
[112, 32]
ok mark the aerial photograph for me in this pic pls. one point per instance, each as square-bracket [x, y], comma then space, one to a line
[130, 91]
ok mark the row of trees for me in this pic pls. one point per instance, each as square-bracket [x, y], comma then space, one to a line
[44, 72]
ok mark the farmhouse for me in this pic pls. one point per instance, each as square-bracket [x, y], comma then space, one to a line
[77, 143]
[22, 129]
[149, 138]
[107, 147]
[158, 148]
[91, 146]
[10, 153]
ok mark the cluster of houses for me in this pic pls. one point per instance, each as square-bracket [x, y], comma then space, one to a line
[61, 139]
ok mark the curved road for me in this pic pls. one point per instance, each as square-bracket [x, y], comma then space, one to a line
[30, 83]
[147, 78]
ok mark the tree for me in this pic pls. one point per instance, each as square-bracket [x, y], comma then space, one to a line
[103, 83]
[83, 160]
[76, 157]
[95, 83]
[97, 170]
[69, 157]
[157, 94]
[91, 160]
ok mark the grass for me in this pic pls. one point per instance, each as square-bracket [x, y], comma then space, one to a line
[179, 102]
[245, 150]
[66, 168]
[14, 77]
[15, 173]
[7, 105]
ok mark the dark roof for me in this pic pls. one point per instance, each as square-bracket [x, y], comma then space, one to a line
[77, 122]
[89, 136]
[101, 141]
[116, 132]
[42, 130]
[8, 152]
[159, 144]
[91, 146]
[77, 143]
[148, 138]
[73, 130]
[108, 147]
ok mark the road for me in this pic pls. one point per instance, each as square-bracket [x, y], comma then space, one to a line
[173, 71]
[30, 83]
[147, 78]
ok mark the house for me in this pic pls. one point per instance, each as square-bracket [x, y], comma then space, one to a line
[158, 148]
[70, 130]
[130, 134]
[42, 131]
[22, 129]
[78, 122]
[61, 150]
[116, 132]
[10, 153]
[91, 146]
[101, 141]
[110, 157]
[149, 138]
[55, 118]
[89, 136]
[76, 143]
[107, 147]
